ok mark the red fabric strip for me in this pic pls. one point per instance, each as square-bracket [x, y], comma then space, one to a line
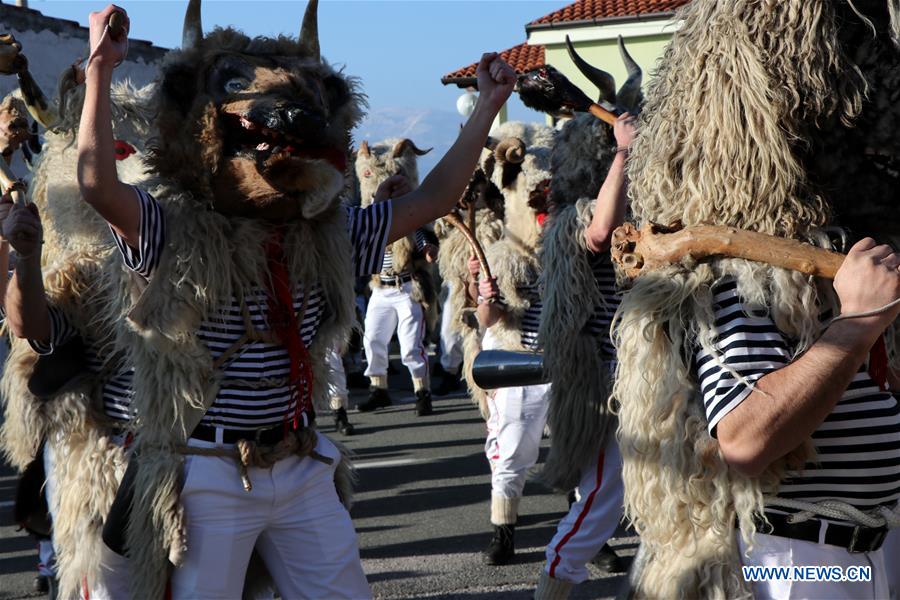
[581, 517]
[284, 323]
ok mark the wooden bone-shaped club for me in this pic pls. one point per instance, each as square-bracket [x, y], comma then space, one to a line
[652, 247]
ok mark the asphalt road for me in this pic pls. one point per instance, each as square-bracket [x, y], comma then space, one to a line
[422, 511]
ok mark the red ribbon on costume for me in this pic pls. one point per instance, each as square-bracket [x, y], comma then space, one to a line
[878, 363]
[284, 323]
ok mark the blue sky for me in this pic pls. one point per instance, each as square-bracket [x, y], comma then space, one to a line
[399, 48]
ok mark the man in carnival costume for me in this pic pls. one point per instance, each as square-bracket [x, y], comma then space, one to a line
[64, 386]
[403, 297]
[754, 428]
[242, 262]
[510, 312]
[588, 200]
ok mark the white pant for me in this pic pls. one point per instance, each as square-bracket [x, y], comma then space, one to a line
[518, 416]
[776, 551]
[338, 394]
[292, 516]
[393, 309]
[451, 340]
[592, 519]
[891, 551]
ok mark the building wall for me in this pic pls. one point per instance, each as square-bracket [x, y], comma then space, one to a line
[52, 45]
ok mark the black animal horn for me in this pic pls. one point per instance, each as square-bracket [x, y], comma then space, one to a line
[629, 96]
[309, 31]
[407, 144]
[605, 82]
[192, 33]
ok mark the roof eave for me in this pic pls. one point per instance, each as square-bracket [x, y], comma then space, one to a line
[603, 21]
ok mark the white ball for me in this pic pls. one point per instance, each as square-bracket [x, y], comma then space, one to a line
[465, 104]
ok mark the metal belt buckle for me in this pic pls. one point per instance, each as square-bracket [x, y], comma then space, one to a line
[856, 546]
[258, 433]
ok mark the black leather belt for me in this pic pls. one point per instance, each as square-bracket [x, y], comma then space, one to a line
[267, 437]
[397, 279]
[855, 538]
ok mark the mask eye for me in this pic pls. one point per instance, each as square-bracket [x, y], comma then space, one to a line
[123, 150]
[236, 84]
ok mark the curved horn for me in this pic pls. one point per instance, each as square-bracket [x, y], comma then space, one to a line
[629, 96]
[605, 82]
[407, 144]
[192, 32]
[309, 31]
[364, 149]
[510, 150]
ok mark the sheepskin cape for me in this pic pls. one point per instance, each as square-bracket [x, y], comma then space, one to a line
[579, 416]
[208, 260]
[747, 101]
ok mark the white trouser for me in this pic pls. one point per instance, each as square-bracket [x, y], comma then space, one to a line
[338, 395]
[113, 576]
[292, 516]
[592, 519]
[451, 340]
[518, 416]
[393, 309]
[891, 551]
[46, 552]
[777, 551]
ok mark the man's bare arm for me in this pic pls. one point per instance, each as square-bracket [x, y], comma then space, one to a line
[27, 312]
[789, 404]
[442, 188]
[609, 209]
[97, 176]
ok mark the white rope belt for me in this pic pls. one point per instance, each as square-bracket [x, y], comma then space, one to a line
[837, 510]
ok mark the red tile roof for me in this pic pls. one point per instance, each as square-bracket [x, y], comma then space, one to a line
[595, 10]
[522, 58]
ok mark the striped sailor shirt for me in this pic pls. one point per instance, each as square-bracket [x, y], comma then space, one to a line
[254, 392]
[858, 444]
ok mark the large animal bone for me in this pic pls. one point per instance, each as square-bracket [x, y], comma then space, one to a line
[652, 247]
[454, 219]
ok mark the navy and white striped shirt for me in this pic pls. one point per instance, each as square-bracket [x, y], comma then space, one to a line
[531, 317]
[387, 265]
[117, 390]
[610, 298]
[858, 444]
[254, 391]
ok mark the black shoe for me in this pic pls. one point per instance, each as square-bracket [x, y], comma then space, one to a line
[341, 422]
[41, 584]
[423, 403]
[357, 381]
[608, 561]
[378, 398]
[502, 548]
[449, 383]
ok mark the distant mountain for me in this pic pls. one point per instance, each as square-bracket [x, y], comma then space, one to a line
[428, 128]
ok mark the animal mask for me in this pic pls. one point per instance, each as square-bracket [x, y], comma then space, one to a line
[255, 127]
